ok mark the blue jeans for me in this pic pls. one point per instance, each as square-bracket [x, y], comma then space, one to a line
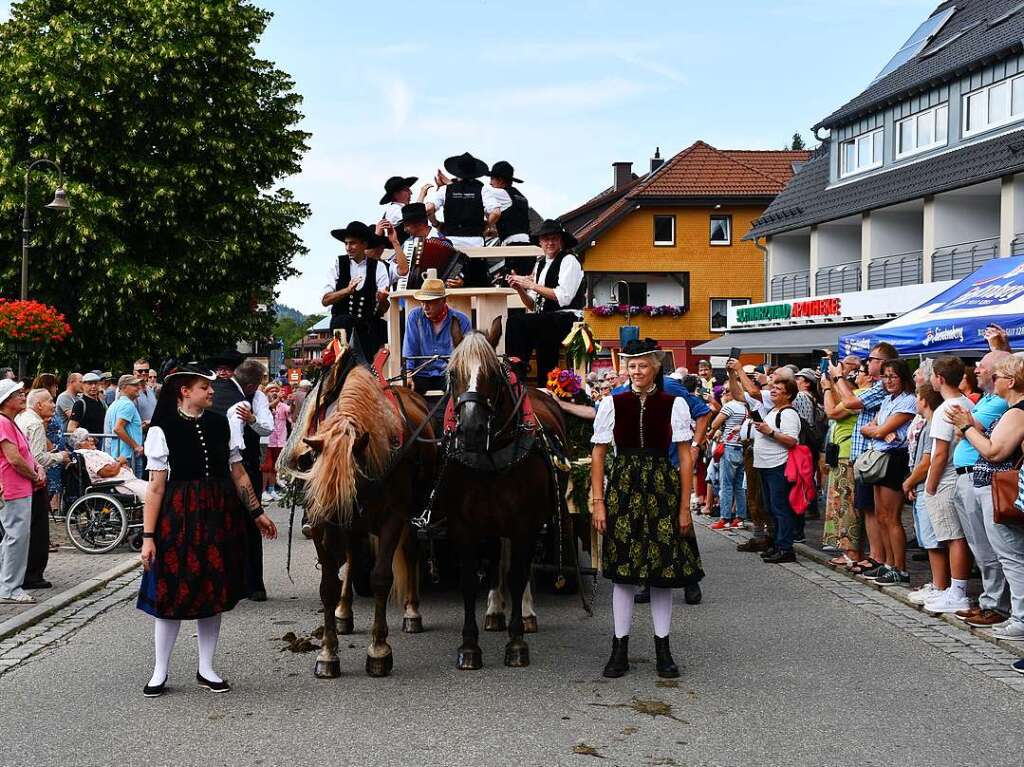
[775, 489]
[730, 470]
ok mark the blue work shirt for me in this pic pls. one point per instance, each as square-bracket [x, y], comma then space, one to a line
[989, 409]
[421, 341]
[698, 407]
[123, 409]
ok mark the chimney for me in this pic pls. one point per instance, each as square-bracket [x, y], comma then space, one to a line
[656, 161]
[623, 174]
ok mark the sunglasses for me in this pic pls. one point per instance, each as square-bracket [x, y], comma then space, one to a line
[142, 372]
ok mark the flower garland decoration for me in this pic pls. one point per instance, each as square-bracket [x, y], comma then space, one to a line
[564, 384]
[31, 322]
[665, 310]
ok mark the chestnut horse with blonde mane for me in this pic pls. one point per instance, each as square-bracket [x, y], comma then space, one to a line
[367, 480]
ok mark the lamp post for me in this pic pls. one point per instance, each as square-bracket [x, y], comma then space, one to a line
[60, 202]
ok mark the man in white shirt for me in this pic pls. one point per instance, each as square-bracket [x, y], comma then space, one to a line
[466, 202]
[554, 299]
[511, 220]
[397, 192]
[357, 284]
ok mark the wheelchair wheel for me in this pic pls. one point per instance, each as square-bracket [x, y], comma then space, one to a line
[97, 523]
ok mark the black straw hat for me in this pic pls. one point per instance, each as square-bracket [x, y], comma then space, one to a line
[394, 184]
[466, 165]
[638, 348]
[414, 211]
[503, 169]
[231, 358]
[356, 229]
[190, 369]
[550, 226]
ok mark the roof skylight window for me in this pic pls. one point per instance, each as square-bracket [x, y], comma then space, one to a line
[922, 35]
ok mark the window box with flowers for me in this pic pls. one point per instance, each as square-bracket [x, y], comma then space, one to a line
[665, 310]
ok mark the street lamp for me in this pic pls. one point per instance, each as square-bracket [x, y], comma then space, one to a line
[60, 202]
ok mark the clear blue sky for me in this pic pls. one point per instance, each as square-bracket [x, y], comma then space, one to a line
[560, 89]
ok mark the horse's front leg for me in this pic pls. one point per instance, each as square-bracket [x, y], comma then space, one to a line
[345, 619]
[497, 570]
[470, 657]
[409, 556]
[517, 652]
[327, 665]
[379, 660]
[529, 614]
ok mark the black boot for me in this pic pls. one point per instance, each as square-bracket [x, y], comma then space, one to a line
[666, 667]
[618, 663]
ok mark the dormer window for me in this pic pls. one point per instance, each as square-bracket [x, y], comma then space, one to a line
[862, 153]
[925, 130]
[993, 106]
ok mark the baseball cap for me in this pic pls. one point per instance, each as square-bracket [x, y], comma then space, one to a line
[107, 376]
[91, 378]
[128, 380]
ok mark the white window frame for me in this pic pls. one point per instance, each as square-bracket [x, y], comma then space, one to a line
[985, 94]
[869, 136]
[720, 243]
[729, 303]
[654, 231]
[912, 122]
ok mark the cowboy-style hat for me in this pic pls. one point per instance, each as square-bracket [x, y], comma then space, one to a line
[231, 358]
[503, 169]
[550, 226]
[414, 211]
[356, 229]
[431, 289]
[638, 348]
[378, 241]
[394, 184]
[190, 369]
[466, 165]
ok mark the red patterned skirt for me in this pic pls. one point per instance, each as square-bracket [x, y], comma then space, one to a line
[200, 564]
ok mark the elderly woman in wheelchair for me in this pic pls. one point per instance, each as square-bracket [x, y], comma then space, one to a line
[106, 499]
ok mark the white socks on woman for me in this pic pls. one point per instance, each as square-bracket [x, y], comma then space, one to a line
[165, 634]
[622, 609]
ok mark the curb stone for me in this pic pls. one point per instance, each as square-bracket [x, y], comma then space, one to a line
[59, 601]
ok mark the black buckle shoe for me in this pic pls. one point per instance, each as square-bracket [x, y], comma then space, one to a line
[692, 594]
[618, 663]
[221, 686]
[665, 665]
[154, 690]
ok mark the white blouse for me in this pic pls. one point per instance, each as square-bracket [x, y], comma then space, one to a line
[604, 422]
[157, 451]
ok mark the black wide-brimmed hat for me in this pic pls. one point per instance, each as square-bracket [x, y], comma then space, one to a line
[503, 169]
[414, 211]
[378, 241]
[640, 348]
[394, 184]
[466, 165]
[190, 369]
[231, 358]
[550, 226]
[356, 229]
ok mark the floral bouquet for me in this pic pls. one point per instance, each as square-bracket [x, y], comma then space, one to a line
[31, 322]
[564, 384]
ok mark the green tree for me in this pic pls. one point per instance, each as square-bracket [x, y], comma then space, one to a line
[797, 142]
[173, 135]
[292, 331]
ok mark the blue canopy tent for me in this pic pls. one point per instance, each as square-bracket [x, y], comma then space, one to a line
[955, 320]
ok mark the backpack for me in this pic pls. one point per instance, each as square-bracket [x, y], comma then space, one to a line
[805, 428]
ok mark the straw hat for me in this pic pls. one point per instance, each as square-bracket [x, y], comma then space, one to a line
[431, 289]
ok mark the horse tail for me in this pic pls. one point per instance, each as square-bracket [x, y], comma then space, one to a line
[401, 568]
[332, 481]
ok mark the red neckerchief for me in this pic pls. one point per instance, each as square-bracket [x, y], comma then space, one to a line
[444, 314]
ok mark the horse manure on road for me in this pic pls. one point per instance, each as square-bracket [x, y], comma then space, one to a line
[652, 708]
[584, 750]
[297, 644]
[670, 684]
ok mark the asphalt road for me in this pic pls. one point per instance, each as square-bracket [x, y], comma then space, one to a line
[776, 672]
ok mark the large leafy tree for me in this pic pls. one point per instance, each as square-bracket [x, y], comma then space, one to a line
[173, 135]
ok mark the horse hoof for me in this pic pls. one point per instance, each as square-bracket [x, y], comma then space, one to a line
[379, 666]
[517, 654]
[530, 624]
[327, 669]
[412, 625]
[345, 626]
[495, 622]
[470, 659]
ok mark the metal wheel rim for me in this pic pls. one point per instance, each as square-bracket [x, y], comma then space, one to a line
[96, 523]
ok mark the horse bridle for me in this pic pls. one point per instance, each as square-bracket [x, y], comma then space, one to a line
[485, 402]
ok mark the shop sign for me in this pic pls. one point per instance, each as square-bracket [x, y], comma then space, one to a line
[815, 307]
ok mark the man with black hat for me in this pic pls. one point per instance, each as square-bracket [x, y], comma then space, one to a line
[356, 285]
[511, 220]
[554, 297]
[397, 192]
[466, 201]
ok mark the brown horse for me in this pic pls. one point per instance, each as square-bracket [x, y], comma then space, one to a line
[497, 481]
[367, 480]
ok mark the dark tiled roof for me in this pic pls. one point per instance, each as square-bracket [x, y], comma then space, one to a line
[808, 200]
[944, 57]
[701, 171]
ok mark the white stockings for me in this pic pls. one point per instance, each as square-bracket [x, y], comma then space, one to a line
[165, 634]
[622, 609]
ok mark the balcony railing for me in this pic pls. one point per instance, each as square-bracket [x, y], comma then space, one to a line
[791, 285]
[893, 271]
[954, 262]
[840, 278]
[1017, 245]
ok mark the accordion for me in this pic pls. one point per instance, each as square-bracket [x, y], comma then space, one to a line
[430, 253]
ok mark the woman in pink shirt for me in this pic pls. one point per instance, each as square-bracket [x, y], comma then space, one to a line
[280, 410]
[19, 476]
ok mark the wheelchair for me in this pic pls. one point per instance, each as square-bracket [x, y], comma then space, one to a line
[100, 515]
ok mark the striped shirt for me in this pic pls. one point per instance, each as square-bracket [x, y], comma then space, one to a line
[736, 414]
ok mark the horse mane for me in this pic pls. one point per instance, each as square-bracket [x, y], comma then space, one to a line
[363, 412]
[475, 352]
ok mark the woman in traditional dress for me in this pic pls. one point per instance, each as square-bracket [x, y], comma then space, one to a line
[645, 512]
[194, 539]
